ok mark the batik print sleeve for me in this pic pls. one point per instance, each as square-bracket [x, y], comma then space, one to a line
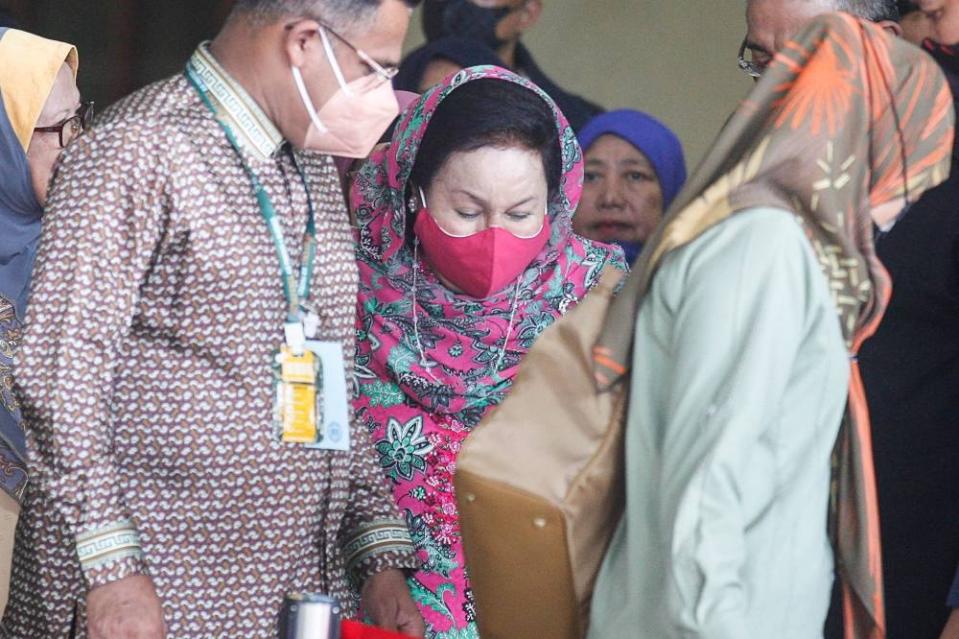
[100, 231]
[377, 538]
[740, 319]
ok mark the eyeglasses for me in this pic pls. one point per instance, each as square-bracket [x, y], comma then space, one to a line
[753, 67]
[386, 74]
[71, 128]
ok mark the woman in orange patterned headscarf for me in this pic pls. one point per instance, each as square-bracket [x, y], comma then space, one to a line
[738, 368]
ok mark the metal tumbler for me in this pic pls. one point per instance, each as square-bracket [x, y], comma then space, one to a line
[309, 616]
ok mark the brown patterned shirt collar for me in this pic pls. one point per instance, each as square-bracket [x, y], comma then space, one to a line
[254, 130]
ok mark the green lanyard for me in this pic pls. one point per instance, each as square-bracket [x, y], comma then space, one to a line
[297, 293]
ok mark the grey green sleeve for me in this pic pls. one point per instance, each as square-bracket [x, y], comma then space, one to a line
[739, 325]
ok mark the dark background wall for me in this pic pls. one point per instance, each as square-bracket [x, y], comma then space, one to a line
[675, 59]
[123, 44]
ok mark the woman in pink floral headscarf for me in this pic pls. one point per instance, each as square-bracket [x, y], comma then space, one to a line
[466, 254]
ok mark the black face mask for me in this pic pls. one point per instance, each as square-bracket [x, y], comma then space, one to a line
[462, 18]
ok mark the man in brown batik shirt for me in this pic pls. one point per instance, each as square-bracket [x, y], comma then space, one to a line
[161, 503]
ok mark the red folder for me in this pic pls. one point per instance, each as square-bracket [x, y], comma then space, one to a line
[356, 630]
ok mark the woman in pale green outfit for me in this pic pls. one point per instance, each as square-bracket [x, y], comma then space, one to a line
[742, 314]
[741, 320]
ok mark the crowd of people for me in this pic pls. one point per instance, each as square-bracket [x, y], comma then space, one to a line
[251, 315]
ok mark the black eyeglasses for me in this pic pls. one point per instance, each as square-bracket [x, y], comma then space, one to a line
[385, 73]
[752, 66]
[71, 128]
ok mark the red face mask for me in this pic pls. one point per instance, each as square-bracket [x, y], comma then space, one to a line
[480, 264]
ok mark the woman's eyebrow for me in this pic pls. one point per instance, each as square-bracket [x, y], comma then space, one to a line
[473, 196]
[520, 203]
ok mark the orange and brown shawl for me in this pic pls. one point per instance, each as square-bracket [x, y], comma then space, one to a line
[844, 119]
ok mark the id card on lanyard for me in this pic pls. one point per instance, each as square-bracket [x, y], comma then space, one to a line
[306, 410]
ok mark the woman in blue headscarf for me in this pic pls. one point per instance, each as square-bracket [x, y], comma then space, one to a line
[634, 170]
[40, 113]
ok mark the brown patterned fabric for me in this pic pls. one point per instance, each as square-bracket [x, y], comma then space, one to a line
[842, 119]
[146, 385]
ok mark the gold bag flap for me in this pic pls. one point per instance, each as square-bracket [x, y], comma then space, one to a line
[539, 485]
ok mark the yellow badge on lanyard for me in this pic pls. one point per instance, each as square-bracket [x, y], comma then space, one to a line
[297, 379]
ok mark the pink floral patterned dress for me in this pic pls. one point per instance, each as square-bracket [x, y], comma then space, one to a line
[422, 388]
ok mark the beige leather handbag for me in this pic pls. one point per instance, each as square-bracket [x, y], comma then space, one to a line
[539, 485]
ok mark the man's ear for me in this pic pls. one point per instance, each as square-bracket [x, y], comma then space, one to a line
[529, 15]
[300, 39]
[892, 27]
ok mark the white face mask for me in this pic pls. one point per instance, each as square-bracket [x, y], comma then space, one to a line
[352, 121]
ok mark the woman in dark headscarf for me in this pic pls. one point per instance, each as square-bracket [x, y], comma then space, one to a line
[739, 371]
[40, 112]
[916, 26]
[435, 61]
